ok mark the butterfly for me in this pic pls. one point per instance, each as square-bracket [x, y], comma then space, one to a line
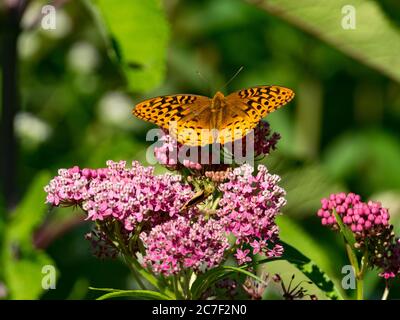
[196, 120]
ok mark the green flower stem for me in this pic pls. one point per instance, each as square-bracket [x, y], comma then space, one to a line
[134, 272]
[137, 270]
[186, 284]
[175, 283]
[386, 293]
[127, 256]
[151, 278]
[359, 275]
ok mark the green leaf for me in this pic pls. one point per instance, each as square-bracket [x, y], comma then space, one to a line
[30, 211]
[22, 262]
[375, 41]
[23, 276]
[311, 270]
[136, 34]
[136, 294]
[242, 271]
[104, 289]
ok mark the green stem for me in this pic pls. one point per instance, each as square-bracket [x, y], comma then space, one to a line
[386, 292]
[127, 256]
[360, 289]
[135, 274]
[175, 283]
[186, 284]
[359, 275]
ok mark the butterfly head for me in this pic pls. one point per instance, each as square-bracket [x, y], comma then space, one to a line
[218, 101]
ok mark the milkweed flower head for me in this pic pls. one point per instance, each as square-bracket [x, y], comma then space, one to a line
[160, 218]
[180, 244]
[130, 195]
[248, 208]
[369, 222]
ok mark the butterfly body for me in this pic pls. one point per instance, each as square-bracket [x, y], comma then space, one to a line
[197, 120]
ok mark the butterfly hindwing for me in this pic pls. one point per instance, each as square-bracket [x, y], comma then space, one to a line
[180, 114]
[166, 109]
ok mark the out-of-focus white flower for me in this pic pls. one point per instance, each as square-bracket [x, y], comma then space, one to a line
[31, 14]
[31, 129]
[83, 57]
[63, 25]
[115, 109]
[28, 44]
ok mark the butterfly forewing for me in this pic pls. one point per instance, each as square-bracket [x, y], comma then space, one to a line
[259, 101]
[248, 107]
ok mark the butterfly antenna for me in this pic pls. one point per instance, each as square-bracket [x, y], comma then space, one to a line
[205, 80]
[233, 77]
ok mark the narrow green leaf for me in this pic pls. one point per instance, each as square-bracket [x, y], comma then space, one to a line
[136, 294]
[242, 271]
[205, 280]
[104, 289]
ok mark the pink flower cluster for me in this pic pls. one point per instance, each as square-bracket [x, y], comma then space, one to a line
[70, 187]
[370, 225]
[130, 195]
[359, 216]
[133, 203]
[248, 208]
[180, 243]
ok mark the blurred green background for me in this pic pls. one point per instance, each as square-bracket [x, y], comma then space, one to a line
[77, 84]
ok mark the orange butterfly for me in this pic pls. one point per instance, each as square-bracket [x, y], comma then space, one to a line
[197, 120]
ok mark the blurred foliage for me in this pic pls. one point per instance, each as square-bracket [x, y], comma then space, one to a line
[79, 82]
[392, 9]
[143, 60]
[22, 263]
